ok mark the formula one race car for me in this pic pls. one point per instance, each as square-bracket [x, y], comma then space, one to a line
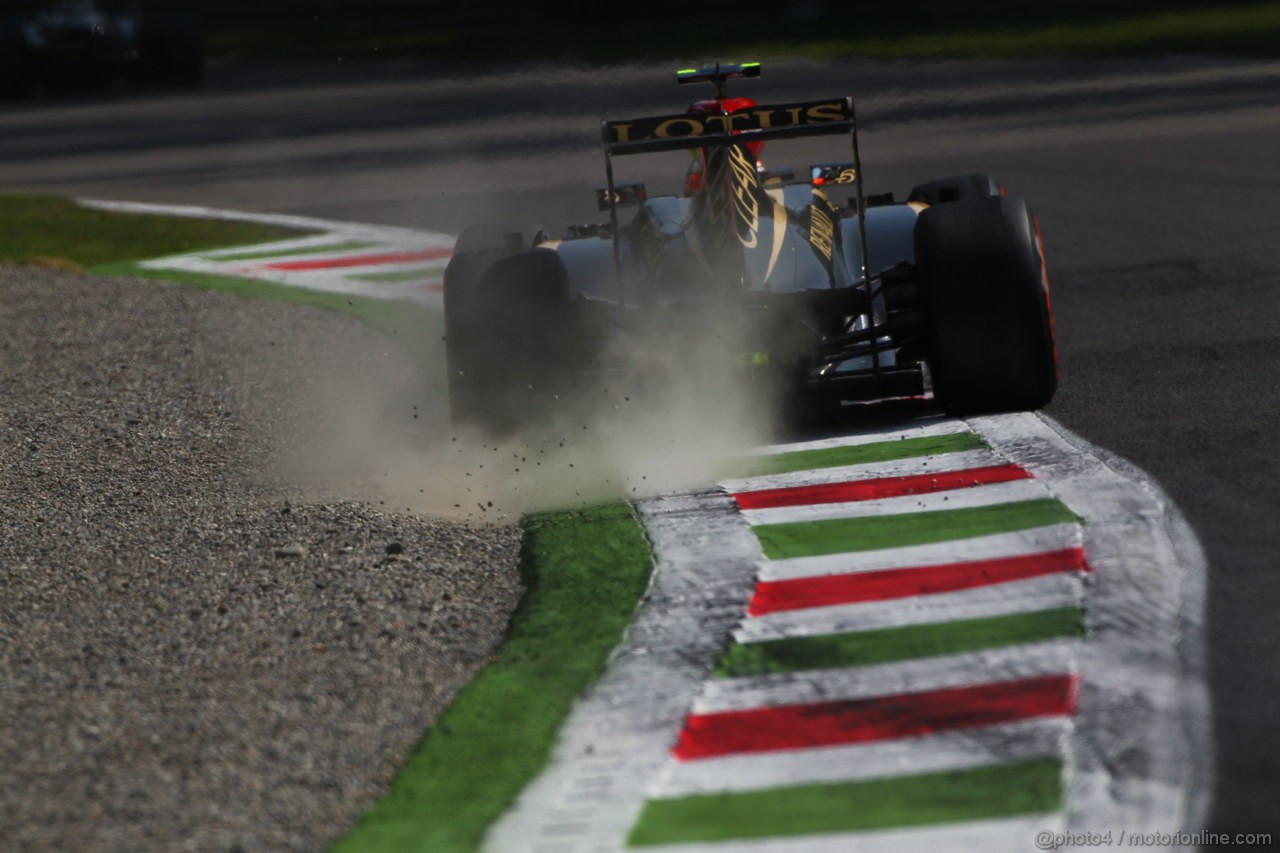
[944, 293]
[82, 44]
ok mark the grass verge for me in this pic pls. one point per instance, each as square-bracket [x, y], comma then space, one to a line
[57, 232]
[583, 572]
[53, 231]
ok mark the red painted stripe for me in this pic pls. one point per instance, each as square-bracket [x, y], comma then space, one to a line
[879, 718]
[881, 487]
[363, 260]
[828, 590]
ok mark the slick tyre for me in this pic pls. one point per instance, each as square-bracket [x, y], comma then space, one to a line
[505, 336]
[982, 265]
[467, 334]
[955, 188]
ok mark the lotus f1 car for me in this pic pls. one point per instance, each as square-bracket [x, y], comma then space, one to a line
[944, 293]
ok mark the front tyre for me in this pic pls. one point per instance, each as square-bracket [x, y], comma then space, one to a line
[982, 266]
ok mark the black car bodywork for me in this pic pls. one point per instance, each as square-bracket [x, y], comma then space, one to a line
[83, 44]
[945, 293]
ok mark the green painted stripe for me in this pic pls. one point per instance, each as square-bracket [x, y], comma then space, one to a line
[868, 533]
[403, 275]
[258, 254]
[1003, 790]
[856, 454]
[893, 644]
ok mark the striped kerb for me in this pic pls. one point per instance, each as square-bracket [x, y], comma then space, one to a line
[767, 733]
[1024, 788]
[363, 260]
[880, 487]
[857, 454]
[878, 718]
[867, 533]
[888, 584]
[316, 249]
[421, 274]
[884, 645]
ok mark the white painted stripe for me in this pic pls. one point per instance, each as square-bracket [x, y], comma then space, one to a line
[964, 749]
[1010, 835]
[938, 463]
[1001, 599]
[1014, 491]
[354, 230]
[1055, 537]
[1051, 657]
[925, 428]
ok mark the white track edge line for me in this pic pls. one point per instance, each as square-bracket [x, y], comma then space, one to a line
[434, 239]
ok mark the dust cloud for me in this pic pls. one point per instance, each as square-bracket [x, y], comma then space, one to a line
[372, 421]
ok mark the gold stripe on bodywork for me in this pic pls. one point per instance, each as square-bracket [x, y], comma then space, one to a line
[746, 206]
[779, 234]
[822, 229]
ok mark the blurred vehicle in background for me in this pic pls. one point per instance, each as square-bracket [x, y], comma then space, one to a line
[59, 45]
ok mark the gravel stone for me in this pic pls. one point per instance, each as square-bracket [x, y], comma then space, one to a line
[196, 654]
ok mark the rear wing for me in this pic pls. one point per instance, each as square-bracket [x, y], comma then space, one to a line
[702, 130]
[756, 124]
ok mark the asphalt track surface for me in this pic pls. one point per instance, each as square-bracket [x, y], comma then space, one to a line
[1156, 184]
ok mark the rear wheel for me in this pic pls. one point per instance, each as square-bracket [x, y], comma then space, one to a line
[982, 265]
[506, 318]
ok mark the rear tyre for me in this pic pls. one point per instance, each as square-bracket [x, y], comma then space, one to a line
[506, 317]
[956, 188]
[982, 266]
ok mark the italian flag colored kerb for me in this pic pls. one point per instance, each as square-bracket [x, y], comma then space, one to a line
[905, 664]
[382, 266]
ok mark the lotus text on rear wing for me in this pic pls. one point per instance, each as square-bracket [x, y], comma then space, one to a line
[766, 121]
